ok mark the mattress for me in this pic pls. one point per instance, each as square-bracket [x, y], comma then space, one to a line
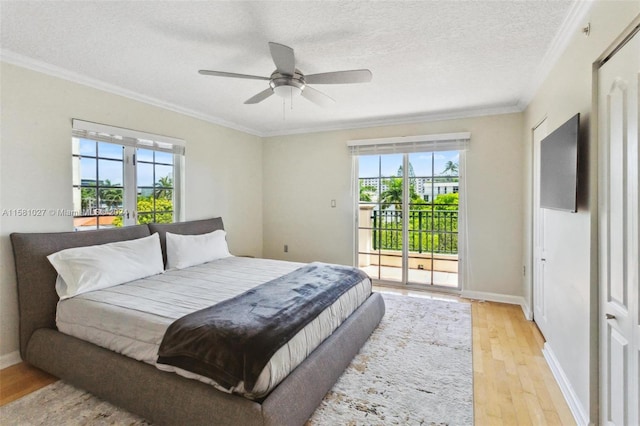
[132, 318]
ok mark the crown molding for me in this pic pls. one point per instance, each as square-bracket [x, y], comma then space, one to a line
[65, 74]
[571, 23]
[393, 121]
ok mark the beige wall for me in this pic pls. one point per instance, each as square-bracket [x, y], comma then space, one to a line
[572, 282]
[303, 173]
[223, 166]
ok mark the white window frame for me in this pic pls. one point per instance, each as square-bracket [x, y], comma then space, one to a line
[131, 140]
[412, 144]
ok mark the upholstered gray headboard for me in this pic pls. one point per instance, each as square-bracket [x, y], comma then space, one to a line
[37, 297]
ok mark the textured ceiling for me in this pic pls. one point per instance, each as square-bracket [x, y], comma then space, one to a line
[427, 57]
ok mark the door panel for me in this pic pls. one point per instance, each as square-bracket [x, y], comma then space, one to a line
[408, 218]
[618, 350]
[619, 236]
[539, 253]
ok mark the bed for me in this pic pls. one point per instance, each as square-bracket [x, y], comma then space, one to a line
[136, 385]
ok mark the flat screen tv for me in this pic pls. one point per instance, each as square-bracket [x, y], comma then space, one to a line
[559, 167]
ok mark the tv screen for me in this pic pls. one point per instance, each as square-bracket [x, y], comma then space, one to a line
[559, 167]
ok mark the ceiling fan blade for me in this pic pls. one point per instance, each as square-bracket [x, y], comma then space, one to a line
[317, 97]
[231, 74]
[260, 96]
[340, 77]
[283, 57]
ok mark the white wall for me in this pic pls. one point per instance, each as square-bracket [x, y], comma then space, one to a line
[223, 166]
[572, 304]
[303, 173]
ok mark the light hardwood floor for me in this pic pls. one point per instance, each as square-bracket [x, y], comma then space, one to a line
[512, 382]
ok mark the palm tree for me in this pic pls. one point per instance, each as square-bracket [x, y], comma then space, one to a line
[450, 168]
[392, 196]
[365, 192]
[164, 188]
[112, 197]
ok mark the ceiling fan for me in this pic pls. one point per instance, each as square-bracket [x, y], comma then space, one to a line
[288, 81]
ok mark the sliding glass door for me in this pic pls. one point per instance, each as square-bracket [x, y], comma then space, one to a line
[408, 217]
[381, 195]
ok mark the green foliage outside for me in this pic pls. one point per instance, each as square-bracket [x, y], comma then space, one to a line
[432, 227]
[145, 211]
[392, 196]
[365, 192]
[163, 195]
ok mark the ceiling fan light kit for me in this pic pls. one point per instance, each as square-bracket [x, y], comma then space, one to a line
[287, 81]
[287, 86]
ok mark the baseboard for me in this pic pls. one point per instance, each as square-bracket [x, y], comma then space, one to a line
[500, 298]
[578, 411]
[9, 359]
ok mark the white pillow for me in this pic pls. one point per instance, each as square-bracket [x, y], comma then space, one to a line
[188, 250]
[84, 269]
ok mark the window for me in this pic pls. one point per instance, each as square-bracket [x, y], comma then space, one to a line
[123, 177]
[409, 220]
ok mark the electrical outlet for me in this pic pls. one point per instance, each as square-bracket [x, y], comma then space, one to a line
[333, 203]
[286, 248]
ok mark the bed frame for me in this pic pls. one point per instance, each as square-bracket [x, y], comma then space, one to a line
[161, 397]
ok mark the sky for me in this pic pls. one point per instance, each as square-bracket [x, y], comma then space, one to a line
[370, 165]
[112, 170]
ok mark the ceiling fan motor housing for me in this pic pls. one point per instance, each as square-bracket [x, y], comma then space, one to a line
[286, 85]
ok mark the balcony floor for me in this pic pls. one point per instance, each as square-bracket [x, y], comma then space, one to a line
[416, 276]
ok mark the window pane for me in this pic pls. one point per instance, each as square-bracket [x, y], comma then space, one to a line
[391, 165]
[110, 172]
[420, 188]
[145, 218]
[445, 191]
[446, 163]
[369, 190]
[421, 164]
[145, 201]
[145, 174]
[164, 157]
[87, 171]
[109, 150]
[144, 155]
[164, 176]
[162, 217]
[88, 199]
[164, 199]
[87, 147]
[368, 166]
[111, 199]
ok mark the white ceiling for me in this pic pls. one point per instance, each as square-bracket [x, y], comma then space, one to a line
[428, 58]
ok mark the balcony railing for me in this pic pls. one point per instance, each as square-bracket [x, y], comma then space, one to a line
[431, 229]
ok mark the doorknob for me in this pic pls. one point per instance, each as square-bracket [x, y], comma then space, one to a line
[610, 316]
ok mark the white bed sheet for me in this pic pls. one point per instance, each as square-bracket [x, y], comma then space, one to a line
[132, 318]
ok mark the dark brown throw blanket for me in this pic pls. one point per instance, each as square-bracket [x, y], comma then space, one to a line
[233, 341]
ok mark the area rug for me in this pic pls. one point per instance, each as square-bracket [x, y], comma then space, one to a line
[416, 369]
